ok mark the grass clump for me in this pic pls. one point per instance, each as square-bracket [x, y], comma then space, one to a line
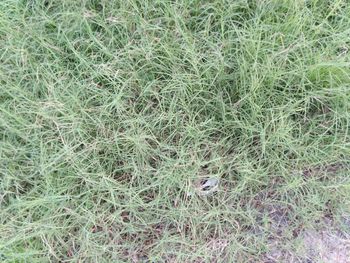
[111, 111]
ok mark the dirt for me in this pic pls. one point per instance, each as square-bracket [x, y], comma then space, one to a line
[326, 246]
[329, 169]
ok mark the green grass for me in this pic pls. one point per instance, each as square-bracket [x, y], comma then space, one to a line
[111, 111]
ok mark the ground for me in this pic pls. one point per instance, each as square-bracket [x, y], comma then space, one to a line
[174, 131]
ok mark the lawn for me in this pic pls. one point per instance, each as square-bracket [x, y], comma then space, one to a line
[174, 131]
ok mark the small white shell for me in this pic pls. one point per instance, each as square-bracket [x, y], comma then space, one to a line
[208, 186]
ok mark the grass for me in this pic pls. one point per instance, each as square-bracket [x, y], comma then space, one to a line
[112, 111]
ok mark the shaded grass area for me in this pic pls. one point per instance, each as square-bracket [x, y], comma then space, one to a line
[111, 110]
